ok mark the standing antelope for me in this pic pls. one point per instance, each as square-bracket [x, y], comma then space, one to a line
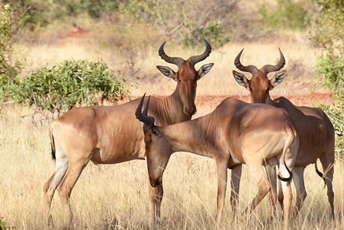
[110, 135]
[233, 134]
[316, 132]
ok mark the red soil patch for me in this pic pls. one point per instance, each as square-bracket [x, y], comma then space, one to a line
[77, 32]
[299, 100]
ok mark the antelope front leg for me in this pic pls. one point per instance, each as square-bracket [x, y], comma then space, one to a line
[221, 191]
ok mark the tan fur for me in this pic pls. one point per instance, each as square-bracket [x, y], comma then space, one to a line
[234, 133]
[110, 135]
[316, 132]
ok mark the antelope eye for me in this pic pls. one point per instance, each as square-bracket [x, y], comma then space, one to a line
[155, 131]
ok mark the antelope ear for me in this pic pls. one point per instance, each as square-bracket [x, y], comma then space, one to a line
[241, 79]
[204, 70]
[168, 72]
[277, 79]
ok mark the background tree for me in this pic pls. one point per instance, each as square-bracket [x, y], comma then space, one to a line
[8, 70]
[327, 31]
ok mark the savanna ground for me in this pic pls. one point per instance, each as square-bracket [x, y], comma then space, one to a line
[116, 196]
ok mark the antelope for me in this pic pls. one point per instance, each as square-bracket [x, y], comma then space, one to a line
[316, 132]
[233, 134]
[110, 135]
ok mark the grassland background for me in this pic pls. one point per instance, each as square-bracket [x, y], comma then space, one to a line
[116, 196]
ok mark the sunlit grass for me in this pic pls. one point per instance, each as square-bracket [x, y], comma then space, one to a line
[140, 59]
[117, 195]
[108, 195]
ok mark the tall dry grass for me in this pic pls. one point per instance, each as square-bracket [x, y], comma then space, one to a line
[116, 196]
[139, 62]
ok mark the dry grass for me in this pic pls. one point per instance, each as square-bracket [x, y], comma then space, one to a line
[108, 195]
[117, 195]
[139, 62]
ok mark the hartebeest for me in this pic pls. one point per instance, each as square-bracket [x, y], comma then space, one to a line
[233, 134]
[316, 132]
[110, 135]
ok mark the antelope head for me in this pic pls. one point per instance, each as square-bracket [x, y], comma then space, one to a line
[259, 85]
[186, 76]
[158, 150]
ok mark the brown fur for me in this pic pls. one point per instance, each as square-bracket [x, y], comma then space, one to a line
[233, 134]
[316, 132]
[110, 135]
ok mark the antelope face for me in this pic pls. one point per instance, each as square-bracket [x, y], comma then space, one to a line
[186, 76]
[158, 150]
[259, 85]
[158, 153]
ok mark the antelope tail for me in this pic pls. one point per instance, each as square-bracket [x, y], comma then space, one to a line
[287, 144]
[320, 173]
[52, 142]
[286, 179]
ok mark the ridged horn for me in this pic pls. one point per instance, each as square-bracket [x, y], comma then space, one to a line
[250, 68]
[147, 120]
[173, 60]
[272, 68]
[196, 59]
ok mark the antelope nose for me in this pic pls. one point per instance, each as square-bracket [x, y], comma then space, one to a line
[153, 183]
[191, 110]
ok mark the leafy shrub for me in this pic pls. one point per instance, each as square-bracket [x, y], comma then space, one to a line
[31, 14]
[69, 84]
[327, 26]
[187, 21]
[8, 71]
[36, 14]
[330, 72]
[330, 65]
[214, 32]
[94, 8]
[330, 68]
[288, 14]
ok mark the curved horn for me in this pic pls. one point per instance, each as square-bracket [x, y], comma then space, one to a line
[173, 60]
[272, 68]
[250, 68]
[196, 59]
[147, 120]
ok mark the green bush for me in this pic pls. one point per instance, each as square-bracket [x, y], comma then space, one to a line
[186, 21]
[8, 71]
[327, 27]
[330, 72]
[329, 69]
[28, 13]
[330, 64]
[94, 8]
[214, 32]
[287, 14]
[69, 84]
